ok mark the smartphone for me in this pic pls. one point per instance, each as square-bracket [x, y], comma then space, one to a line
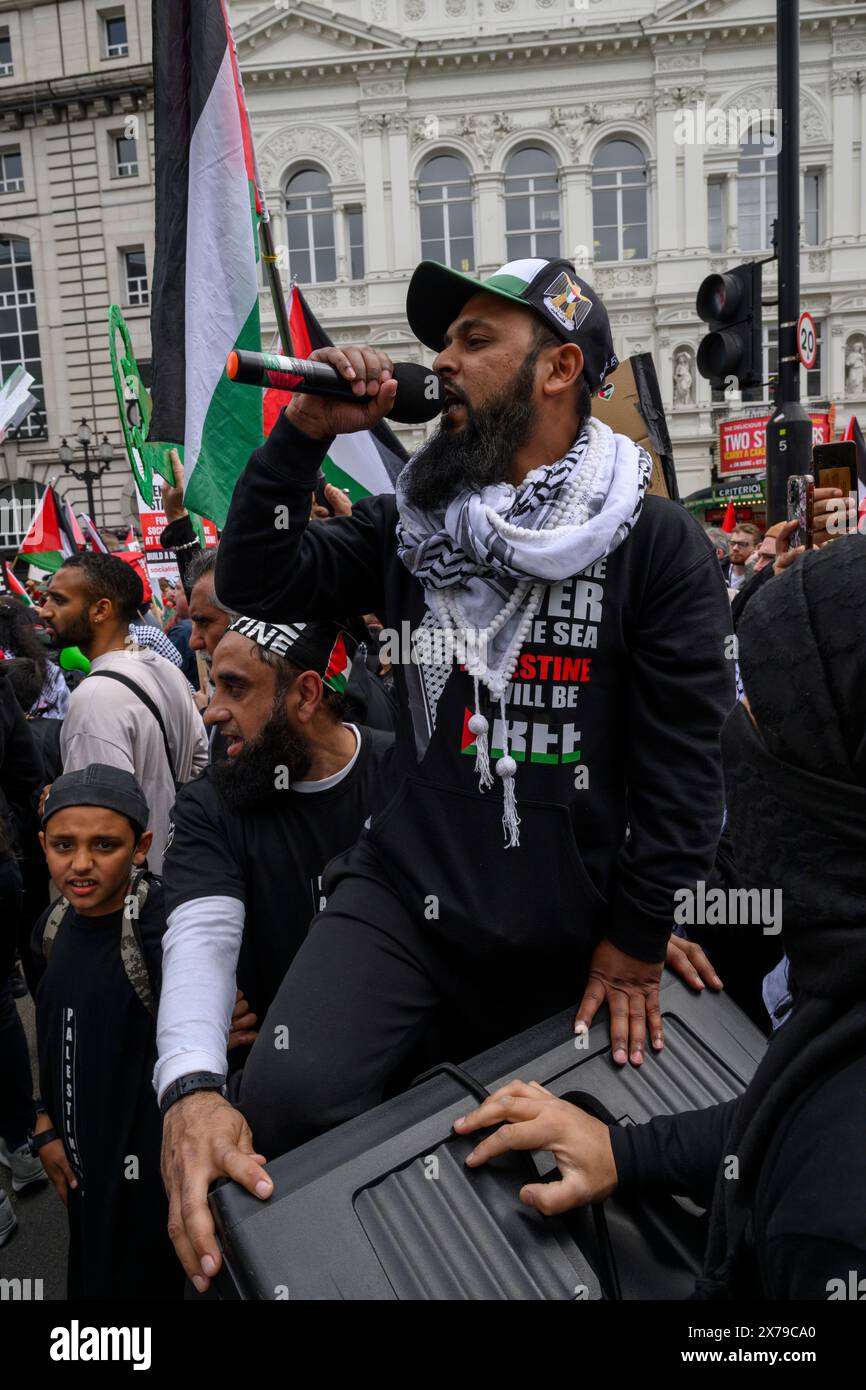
[801, 497]
[835, 465]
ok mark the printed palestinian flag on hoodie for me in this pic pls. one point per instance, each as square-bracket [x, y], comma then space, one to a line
[205, 278]
[50, 536]
[361, 464]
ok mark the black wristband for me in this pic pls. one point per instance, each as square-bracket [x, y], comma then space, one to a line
[37, 1141]
[188, 1086]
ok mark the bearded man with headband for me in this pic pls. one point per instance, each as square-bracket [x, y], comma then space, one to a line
[560, 770]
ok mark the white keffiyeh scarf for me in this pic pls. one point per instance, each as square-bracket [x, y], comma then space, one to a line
[486, 561]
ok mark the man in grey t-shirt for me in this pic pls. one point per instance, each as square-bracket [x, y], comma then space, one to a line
[135, 709]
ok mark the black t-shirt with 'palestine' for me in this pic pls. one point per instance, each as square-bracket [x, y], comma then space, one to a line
[271, 857]
[97, 1051]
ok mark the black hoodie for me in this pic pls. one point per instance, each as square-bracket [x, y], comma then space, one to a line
[614, 715]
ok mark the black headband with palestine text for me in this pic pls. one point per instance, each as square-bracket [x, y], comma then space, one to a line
[323, 647]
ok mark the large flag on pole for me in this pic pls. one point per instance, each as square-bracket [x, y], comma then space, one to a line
[362, 464]
[205, 280]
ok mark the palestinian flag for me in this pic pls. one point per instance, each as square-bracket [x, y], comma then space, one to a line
[14, 587]
[205, 276]
[50, 535]
[362, 464]
[92, 535]
[339, 667]
[72, 525]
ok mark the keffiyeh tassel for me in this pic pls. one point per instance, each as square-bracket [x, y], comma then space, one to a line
[479, 727]
[506, 768]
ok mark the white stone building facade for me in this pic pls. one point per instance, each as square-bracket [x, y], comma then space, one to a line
[472, 131]
[76, 231]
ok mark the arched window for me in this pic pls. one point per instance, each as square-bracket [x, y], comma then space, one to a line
[310, 224]
[532, 224]
[19, 335]
[445, 207]
[619, 202]
[757, 202]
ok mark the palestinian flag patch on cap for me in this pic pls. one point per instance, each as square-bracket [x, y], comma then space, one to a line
[567, 302]
[339, 667]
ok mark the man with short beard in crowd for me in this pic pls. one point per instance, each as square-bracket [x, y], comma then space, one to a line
[134, 710]
[251, 837]
[500, 880]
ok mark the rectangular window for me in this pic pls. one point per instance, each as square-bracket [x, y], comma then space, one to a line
[135, 268]
[355, 240]
[125, 156]
[11, 171]
[7, 67]
[715, 228]
[19, 334]
[116, 38]
[812, 208]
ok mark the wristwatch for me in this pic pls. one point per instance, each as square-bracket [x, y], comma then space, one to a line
[35, 1142]
[188, 1085]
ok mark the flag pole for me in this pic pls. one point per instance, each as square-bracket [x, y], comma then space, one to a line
[269, 257]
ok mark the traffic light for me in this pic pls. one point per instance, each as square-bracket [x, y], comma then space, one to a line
[731, 305]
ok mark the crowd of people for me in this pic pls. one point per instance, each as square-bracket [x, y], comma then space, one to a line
[252, 906]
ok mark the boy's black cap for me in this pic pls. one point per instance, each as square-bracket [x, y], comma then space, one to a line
[98, 785]
[568, 305]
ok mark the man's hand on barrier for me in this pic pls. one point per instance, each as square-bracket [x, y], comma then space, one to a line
[370, 373]
[691, 964]
[204, 1138]
[630, 988]
[532, 1118]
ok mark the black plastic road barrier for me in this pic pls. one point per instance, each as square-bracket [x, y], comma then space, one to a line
[383, 1207]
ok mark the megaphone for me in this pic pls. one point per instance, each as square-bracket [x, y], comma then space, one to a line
[73, 659]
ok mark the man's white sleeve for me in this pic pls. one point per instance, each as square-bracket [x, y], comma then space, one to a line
[199, 959]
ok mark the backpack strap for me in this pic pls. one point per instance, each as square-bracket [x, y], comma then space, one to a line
[52, 924]
[131, 951]
[149, 704]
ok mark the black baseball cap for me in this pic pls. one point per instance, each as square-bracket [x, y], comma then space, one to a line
[98, 785]
[567, 304]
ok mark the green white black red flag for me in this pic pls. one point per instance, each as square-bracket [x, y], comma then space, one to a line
[205, 280]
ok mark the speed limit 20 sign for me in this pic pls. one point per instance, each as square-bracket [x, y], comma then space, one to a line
[807, 341]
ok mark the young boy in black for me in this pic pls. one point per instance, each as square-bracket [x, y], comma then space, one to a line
[98, 954]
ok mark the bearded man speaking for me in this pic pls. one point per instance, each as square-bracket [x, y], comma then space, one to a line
[561, 773]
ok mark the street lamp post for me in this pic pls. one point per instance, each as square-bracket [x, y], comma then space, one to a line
[104, 452]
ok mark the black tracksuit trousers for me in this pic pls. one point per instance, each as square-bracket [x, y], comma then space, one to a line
[371, 982]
